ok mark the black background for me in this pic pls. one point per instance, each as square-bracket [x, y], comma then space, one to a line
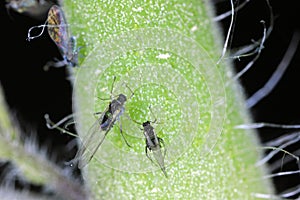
[31, 92]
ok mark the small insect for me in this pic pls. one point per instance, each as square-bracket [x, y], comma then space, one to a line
[154, 144]
[33, 8]
[58, 32]
[101, 128]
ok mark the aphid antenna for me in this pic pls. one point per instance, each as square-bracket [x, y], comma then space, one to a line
[112, 86]
[155, 119]
[111, 92]
[43, 26]
[29, 37]
[132, 93]
[139, 123]
[51, 125]
[104, 99]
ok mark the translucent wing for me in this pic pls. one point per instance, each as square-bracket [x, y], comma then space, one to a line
[91, 143]
[159, 157]
[57, 28]
[94, 140]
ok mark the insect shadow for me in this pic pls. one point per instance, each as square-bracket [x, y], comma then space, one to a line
[58, 31]
[154, 144]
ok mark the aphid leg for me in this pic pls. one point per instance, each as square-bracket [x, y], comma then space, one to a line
[161, 141]
[132, 93]
[104, 99]
[97, 113]
[148, 156]
[69, 123]
[111, 90]
[52, 125]
[56, 64]
[123, 135]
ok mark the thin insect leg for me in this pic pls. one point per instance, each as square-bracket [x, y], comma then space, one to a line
[65, 119]
[70, 122]
[104, 99]
[132, 93]
[252, 49]
[112, 87]
[272, 153]
[163, 144]
[148, 156]
[52, 125]
[97, 113]
[258, 48]
[128, 117]
[57, 64]
[278, 164]
[123, 135]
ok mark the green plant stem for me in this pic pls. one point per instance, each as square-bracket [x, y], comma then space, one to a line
[219, 163]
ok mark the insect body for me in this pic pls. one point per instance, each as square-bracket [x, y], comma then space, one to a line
[100, 129]
[58, 32]
[154, 144]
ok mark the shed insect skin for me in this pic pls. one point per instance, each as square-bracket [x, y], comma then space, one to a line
[154, 144]
[59, 33]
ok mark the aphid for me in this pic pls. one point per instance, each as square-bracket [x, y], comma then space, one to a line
[154, 144]
[34, 8]
[58, 32]
[100, 129]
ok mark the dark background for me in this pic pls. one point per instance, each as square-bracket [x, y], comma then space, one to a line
[30, 91]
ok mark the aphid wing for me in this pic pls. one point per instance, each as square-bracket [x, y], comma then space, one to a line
[157, 154]
[72, 54]
[91, 143]
[57, 28]
[96, 138]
